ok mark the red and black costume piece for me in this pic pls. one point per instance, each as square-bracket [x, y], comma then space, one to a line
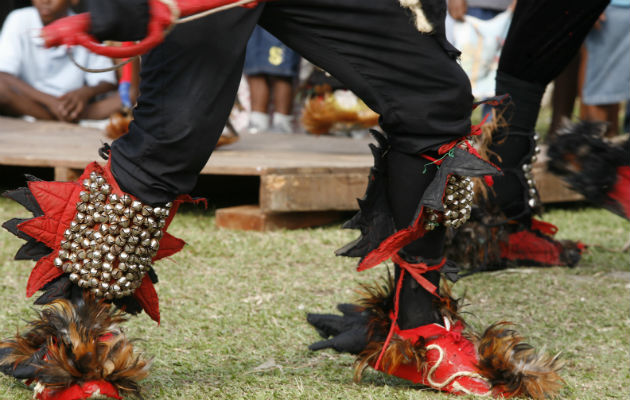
[394, 55]
[593, 166]
[542, 39]
[95, 246]
[410, 327]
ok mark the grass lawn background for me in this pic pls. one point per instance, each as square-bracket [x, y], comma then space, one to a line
[233, 310]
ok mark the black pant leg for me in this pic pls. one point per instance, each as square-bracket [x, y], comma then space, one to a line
[411, 79]
[545, 35]
[543, 38]
[188, 85]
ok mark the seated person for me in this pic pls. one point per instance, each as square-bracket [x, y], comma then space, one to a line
[44, 83]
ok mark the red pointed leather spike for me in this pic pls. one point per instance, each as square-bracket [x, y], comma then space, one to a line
[169, 245]
[148, 298]
[55, 197]
[184, 198]
[42, 229]
[43, 273]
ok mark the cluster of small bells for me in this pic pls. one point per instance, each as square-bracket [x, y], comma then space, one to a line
[458, 198]
[109, 245]
[529, 176]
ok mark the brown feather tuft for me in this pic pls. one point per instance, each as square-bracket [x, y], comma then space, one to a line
[400, 351]
[378, 300]
[483, 143]
[515, 366]
[83, 342]
[447, 304]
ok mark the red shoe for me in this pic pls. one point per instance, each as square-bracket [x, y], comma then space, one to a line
[87, 390]
[537, 247]
[497, 363]
[450, 361]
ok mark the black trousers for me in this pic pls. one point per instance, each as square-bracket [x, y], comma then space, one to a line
[543, 38]
[189, 83]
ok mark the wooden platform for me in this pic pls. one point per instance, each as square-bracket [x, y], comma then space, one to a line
[305, 180]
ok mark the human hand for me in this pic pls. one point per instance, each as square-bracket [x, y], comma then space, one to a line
[73, 103]
[457, 9]
[54, 106]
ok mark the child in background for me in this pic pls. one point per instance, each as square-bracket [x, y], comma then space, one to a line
[270, 68]
[44, 83]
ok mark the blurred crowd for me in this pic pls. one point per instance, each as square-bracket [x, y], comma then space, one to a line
[280, 92]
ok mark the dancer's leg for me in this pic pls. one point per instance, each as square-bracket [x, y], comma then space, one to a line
[543, 38]
[414, 82]
[97, 239]
[188, 85]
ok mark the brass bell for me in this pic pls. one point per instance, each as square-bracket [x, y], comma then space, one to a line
[110, 240]
[136, 206]
[138, 220]
[113, 229]
[126, 199]
[116, 250]
[119, 208]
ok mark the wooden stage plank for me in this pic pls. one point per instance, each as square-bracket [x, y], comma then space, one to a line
[298, 173]
[311, 192]
[253, 218]
[56, 144]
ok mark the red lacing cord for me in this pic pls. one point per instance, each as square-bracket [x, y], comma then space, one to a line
[415, 270]
[475, 130]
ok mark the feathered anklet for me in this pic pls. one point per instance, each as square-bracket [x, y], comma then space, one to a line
[73, 343]
[452, 357]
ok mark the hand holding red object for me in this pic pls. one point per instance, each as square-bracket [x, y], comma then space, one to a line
[73, 30]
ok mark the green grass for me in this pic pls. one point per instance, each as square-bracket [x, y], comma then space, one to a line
[233, 310]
